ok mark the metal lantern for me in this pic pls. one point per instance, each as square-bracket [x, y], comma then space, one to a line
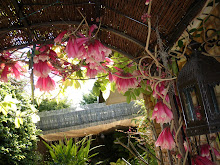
[199, 90]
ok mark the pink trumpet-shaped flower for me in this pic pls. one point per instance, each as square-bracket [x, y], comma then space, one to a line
[165, 139]
[91, 73]
[92, 28]
[162, 113]
[13, 68]
[199, 160]
[123, 84]
[4, 74]
[41, 69]
[205, 151]
[72, 48]
[45, 84]
[160, 88]
[59, 38]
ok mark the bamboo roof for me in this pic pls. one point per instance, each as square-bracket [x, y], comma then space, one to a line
[24, 22]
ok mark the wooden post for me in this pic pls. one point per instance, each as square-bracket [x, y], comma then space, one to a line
[32, 73]
[176, 123]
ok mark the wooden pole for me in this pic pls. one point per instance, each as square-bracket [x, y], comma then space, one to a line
[176, 123]
[32, 73]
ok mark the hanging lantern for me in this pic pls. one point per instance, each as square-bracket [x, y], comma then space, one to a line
[199, 89]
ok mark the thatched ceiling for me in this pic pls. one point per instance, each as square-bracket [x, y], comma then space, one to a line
[24, 22]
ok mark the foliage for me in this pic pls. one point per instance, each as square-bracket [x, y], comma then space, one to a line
[89, 98]
[18, 133]
[70, 152]
[47, 104]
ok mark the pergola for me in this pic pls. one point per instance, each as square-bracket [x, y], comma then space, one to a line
[122, 25]
[122, 29]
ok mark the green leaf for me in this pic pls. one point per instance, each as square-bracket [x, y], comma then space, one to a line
[3, 109]
[28, 54]
[127, 93]
[79, 73]
[103, 88]
[143, 84]
[174, 66]
[197, 35]
[152, 98]
[77, 84]
[137, 91]
[145, 91]
[128, 99]
[192, 30]
[133, 96]
[112, 87]
[96, 90]
[17, 122]
[36, 52]
[180, 43]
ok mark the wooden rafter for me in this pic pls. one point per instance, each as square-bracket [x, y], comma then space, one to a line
[194, 9]
[116, 32]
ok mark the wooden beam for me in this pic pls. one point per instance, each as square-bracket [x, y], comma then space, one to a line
[191, 13]
[122, 52]
[116, 32]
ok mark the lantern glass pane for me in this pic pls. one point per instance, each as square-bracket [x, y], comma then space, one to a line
[192, 105]
[215, 94]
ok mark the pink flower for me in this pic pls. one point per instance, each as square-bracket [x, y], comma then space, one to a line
[92, 28]
[165, 139]
[4, 74]
[144, 17]
[91, 73]
[13, 68]
[98, 51]
[52, 55]
[59, 38]
[199, 160]
[110, 77]
[123, 84]
[45, 84]
[72, 48]
[41, 69]
[162, 113]
[205, 151]
[160, 88]
[87, 47]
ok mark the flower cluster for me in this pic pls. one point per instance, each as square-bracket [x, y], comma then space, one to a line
[123, 80]
[161, 112]
[86, 48]
[199, 160]
[205, 151]
[8, 66]
[165, 139]
[42, 68]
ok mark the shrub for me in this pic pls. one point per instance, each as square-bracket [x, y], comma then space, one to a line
[18, 133]
[47, 105]
[71, 153]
